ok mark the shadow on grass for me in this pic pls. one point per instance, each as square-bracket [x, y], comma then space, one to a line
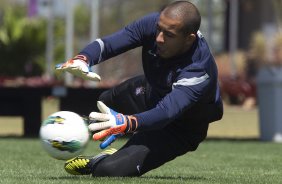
[69, 178]
[171, 178]
[252, 139]
[184, 178]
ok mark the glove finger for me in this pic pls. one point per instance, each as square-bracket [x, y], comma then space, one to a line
[108, 141]
[99, 116]
[103, 108]
[59, 70]
[99, 126]
[93, 76]
[102, 134]
[64, 65]
[77, 71]
[59, 66]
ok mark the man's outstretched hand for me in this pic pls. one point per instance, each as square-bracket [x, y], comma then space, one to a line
[79, 67]
[112, 124]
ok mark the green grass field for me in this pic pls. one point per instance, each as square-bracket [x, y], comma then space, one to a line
[241, 158]
[24, 161]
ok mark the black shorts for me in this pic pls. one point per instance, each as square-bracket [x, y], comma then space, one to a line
[146, 150]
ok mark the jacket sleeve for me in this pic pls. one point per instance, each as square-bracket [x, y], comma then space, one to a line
[185, 93]
[131, 36]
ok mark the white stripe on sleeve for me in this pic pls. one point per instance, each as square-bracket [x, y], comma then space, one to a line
[191, 81]
[102, 47]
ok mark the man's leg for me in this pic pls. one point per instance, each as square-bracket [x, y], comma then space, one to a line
[129, 97]
[148, 150]
[143, 152]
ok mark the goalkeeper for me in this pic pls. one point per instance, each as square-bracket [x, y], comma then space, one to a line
[167, 110]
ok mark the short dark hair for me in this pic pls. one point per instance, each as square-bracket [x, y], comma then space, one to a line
[187, 12]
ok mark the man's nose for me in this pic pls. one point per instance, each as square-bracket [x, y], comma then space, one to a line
[160, 37]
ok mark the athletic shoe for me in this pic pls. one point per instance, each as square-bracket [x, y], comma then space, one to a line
[82, 165]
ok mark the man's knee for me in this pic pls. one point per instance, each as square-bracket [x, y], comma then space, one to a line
[113, 169]
[128, 161]
[105, 169]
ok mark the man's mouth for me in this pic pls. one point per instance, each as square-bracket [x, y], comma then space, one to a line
[160, 50]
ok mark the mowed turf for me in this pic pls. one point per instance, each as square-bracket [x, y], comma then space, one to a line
[220, 161]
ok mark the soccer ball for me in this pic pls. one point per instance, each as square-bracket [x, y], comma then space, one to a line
[64, 135]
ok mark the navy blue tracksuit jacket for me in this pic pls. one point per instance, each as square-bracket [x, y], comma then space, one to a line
[183, 87]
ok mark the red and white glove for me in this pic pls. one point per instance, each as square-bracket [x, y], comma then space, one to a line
[79, 67]
[112, 124]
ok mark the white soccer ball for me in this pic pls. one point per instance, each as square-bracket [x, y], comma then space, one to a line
[64, 135]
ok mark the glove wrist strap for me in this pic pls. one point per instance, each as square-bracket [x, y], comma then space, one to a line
[132, 124]
[81, 57]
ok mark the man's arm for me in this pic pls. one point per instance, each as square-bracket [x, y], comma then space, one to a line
[185, 93]
[132, 36]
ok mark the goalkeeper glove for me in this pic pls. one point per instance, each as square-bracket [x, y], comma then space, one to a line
[112, 124]
[79, 67]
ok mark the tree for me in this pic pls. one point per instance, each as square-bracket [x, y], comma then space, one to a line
[22, 43]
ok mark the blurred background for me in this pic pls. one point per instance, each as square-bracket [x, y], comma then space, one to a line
[35, 35]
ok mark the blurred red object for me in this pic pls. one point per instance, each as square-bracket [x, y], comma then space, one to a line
[237, 90]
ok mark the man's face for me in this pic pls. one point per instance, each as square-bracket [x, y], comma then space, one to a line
[170, 40]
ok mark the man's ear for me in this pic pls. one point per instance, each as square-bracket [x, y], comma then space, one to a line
[191, 38]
